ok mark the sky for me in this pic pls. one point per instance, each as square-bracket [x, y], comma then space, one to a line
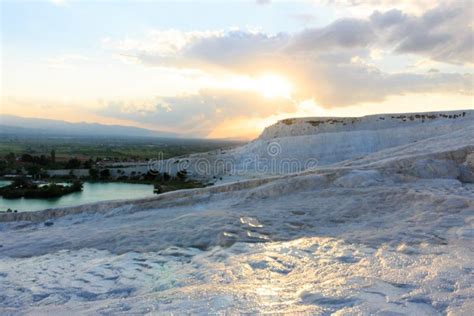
[227, 69]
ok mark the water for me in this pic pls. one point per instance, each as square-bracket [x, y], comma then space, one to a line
[92, 192]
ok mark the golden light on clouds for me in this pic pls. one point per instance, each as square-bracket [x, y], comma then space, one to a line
[221, 80]
[268, 84]
[248, 128]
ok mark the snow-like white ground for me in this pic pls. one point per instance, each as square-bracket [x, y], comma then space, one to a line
[387, 229]
[295, 145]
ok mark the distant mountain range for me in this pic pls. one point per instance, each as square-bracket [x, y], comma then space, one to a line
[15, 125]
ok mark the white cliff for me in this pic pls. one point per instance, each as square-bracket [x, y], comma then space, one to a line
[382, 224]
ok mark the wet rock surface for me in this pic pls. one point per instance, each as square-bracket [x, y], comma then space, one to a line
[388, 233]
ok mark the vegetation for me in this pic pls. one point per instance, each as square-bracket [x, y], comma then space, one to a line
[73, 153]
[174, 185]
[22, 187]
[94, 174]
[35, 157]
[163, 182]
[105, 174]
[73, 163]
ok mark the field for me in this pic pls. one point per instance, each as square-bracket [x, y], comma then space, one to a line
[133, 148]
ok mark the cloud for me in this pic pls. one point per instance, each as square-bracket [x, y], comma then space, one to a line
[444, 34]
[197, 114]
[264, 2]
[237, 48]
[344, 33]
[361, 7]
[304, 18]
[332, 64]
[199, 49]
[158, 46]
[348, 84]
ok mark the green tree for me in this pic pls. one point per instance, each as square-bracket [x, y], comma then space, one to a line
[71, 174]
[3, 166]
[26, 158]
[34, 170]
[105, 174]
[76, 186]
[11, 158]
[53, 156]
[20, 182]
[94, 173]
[73, 163]
[88, 164]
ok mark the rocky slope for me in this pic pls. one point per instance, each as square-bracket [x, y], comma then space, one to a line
[319, 125]
[381, 225]
[299, 144]
[331, 140]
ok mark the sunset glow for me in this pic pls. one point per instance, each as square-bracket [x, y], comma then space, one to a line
[229, 66]
[272, 86]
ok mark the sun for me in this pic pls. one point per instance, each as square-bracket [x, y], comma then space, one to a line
[273, 86]
[268, 85]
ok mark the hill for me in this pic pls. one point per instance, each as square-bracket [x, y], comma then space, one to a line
[15, 125]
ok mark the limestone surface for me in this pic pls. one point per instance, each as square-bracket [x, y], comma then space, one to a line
[383, 223]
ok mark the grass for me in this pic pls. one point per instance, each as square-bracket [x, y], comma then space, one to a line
[119, 148]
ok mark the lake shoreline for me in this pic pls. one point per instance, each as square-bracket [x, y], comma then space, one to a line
[93, 192]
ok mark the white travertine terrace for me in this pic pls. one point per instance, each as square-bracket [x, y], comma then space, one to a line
[383, 224]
